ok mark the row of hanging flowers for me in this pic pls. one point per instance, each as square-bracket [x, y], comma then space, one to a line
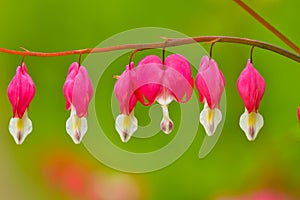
[153, 80]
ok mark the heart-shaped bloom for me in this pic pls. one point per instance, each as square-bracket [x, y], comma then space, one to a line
[21, 91]
[210, 84]
[126, 123]
[164, 82]
[78, 91]
[251, 87]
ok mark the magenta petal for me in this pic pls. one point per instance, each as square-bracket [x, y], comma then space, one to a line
[178, 77]
[82, 92]
[21, 91]
[149, 82]
[174, 77]
[150, 59]
[177, 85]
[149, 79]
[210, 82]
[69, 84]
[251, 87]
[124, 90]
[180, 64]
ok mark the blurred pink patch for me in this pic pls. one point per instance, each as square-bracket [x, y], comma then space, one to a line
[71, 176]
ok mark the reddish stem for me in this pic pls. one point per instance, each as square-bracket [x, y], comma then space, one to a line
[172, 42]
[268, 25]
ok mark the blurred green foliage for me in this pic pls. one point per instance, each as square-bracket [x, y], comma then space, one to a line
[234, 166]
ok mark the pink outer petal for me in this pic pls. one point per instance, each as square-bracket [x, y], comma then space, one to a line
[149, 75]
[174, 77]
[251, 87]
[178, 77]
[69, 84]
[180, 64]
[210, 82]
[21, 91]
[82, 92]
[124, 90]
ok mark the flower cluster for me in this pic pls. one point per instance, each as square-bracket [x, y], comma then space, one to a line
[151, 81]
[77, 90]
[154, 80]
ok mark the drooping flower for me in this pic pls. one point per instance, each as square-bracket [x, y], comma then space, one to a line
[251, 87]
[210, 84]
[21, 91]
[78, 91]
[126, 123]
[164, 82]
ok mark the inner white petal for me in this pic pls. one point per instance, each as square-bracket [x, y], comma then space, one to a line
[126, 125]
[76, 127]
[251, 123]
[165, 98]
[210, 119]
[20, 128]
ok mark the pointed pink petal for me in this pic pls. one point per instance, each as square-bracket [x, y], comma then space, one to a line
[251, 87]
[150, 59]
[210, 82]
[180, 64]
[69, 84]
[178, 77]
[21, 91]
[124, 90]
[82, 92]
[177, 85]
[149, 78]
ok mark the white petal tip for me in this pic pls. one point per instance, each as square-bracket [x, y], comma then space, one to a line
[126, 125]
[251, 123]
[210, 119]
[20, 128]
[166, 126]
[76, 127]
[125, 137]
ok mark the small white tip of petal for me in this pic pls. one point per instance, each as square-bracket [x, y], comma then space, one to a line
[126, 125]
[251, 123]
[76, 127]
[166, 125]
[210, 119]
[20, 128]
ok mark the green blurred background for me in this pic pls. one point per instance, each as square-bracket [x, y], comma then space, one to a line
[36, 169]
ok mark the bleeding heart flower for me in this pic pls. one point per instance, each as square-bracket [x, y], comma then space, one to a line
[164, 82]
[21, 91]
[126, 123]
[210, 84]
[251, 87]
[78, 91]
